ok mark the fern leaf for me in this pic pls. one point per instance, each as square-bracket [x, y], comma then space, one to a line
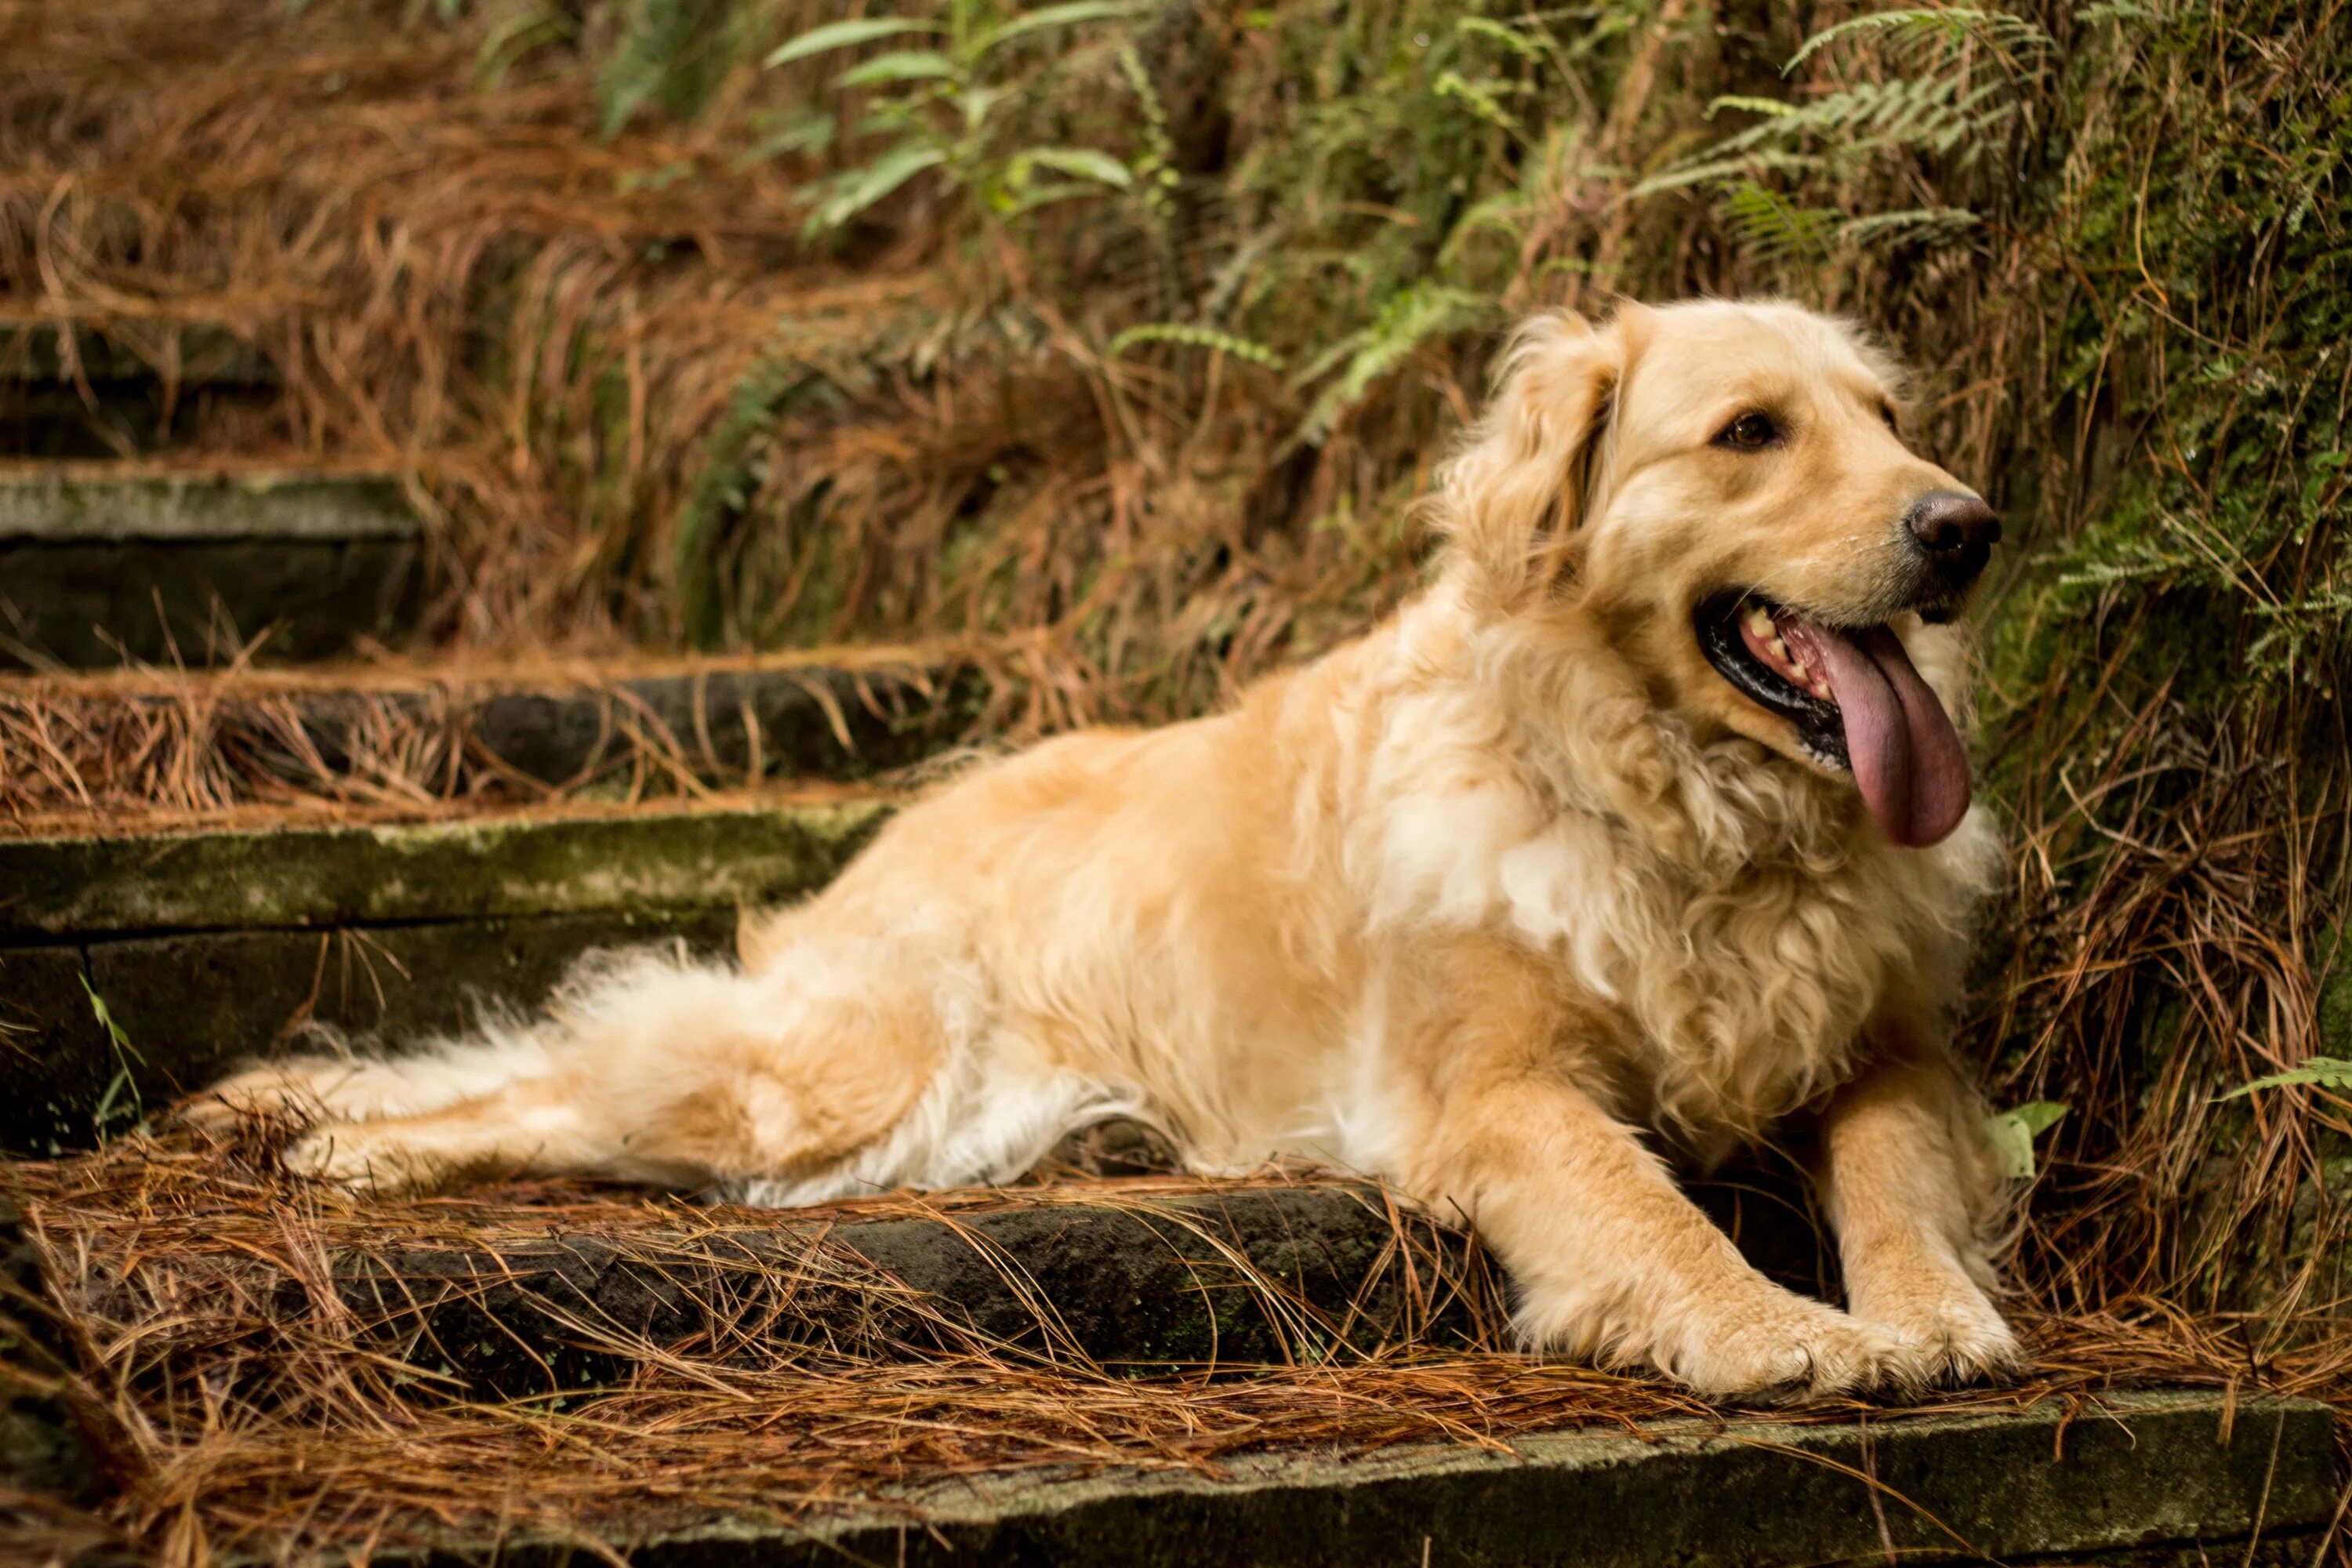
[1773, 227]
[1412, 318]
[1770, 108]
[2321, 1072]
[1478, 97]
[1700, 174]
[1929, 24]
[1502, 33]
[1198, 338]
[1911, 224]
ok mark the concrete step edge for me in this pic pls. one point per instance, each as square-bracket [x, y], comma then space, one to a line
[2141, 1471]
[101, 503]
[137, 969]
[738, 852]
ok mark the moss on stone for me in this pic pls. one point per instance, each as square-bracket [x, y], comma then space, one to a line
[306, 877]
[182, 508]
[210, 948]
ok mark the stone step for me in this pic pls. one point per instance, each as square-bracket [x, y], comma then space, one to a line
[2137, 1480]
[547, 1308]
[99, 562]
[1129, 1276]
[481, 732]
[111, 353]
[109, 388]
[205, 948]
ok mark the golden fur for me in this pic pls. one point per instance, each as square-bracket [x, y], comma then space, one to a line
[1513, 901]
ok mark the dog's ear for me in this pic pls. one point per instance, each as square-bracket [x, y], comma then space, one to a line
[1511, 501]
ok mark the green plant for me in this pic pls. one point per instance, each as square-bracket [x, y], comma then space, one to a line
[944, 104]
[670, 55]
[1197, 338]
[2320, 1072]
[2013, 1133]
[121, 1097]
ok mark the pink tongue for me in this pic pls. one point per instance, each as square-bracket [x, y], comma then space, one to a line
[1907, 758]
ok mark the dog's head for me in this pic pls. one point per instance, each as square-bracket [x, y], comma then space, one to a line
[1724, 492]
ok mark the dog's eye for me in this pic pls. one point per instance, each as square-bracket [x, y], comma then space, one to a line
[1887, 411]
[1748, 433]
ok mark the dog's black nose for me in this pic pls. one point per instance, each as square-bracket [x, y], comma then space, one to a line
[1957, 531]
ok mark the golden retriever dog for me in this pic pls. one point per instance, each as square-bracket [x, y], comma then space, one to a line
[1644, 829]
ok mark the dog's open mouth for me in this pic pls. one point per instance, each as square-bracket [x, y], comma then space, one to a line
[1857, 703]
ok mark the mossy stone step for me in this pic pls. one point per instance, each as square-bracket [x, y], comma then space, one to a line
[2142, 1478]
[1135, 1282]
[206, 948]
[113, 353]
[109, 388]
[723, 723]
[97, 565]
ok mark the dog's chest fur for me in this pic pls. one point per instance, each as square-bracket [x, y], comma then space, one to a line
[1737, 970]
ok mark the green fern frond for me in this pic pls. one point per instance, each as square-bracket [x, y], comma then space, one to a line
[1771, 108]
[1195, 337]
[1938, 115]
[1773, 227]
[2319, 1072]
[773, 386]
[1502, 33]
[1931, 25]
[1412, 318]
[672, 54]
[1701, 172]
[1912, 225]
[1478, 97]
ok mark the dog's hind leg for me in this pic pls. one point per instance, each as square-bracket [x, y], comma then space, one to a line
[682, 1075]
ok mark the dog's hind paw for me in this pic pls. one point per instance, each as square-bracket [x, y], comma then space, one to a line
[258, 1094]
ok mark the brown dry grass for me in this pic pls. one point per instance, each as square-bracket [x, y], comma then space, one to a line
[551, 335]
[154, 749]
[2168, 922]
[231, 1422]
[338, 189]
[575, 346]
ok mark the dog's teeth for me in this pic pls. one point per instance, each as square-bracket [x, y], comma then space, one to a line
[1759, 621]
[1780, 651]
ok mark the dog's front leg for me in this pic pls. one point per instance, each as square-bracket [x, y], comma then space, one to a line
[1608, 1260]
[1910, 1186]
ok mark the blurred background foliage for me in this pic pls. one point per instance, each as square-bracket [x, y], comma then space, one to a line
[1118, 337]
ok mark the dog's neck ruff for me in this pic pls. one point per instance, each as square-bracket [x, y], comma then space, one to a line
[1738, 916]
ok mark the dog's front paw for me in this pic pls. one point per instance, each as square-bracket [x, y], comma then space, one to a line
[1959, 1339]
[1793, 1349]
